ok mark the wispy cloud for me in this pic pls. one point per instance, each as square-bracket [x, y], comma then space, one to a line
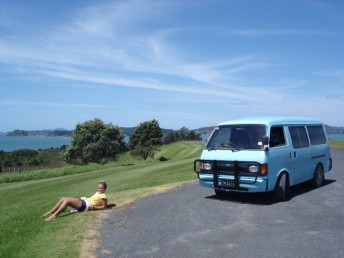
[8, 102]
[102, 41]
[281, 32]
[133, 44]
[337, 74]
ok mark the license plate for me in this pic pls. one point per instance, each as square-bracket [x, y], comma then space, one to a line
[227, 183]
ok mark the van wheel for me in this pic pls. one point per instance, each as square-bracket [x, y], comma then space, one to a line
[282, 188]
[318, 176]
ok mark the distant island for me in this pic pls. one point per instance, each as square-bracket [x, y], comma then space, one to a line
[66, 133]
[56, 132]
[334, 129]
[130, 130]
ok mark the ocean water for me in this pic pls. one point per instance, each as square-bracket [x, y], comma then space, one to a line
[11, 143]
[336, 136]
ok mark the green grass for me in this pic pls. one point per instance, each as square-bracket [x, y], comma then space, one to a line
[23, 231]
[337, 143]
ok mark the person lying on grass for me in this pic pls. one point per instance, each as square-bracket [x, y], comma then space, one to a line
[97, 201]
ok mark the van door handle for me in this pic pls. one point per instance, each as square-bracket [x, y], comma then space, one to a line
[294, 154]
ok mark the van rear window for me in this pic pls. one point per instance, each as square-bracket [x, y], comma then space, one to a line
[316, 135]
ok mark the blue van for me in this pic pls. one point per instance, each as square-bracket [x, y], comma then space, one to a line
[264, 154]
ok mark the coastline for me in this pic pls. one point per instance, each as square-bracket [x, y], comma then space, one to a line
[12, 143]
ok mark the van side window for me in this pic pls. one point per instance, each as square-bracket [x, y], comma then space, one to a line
[276, 136]
[316, 135]
[299, 136]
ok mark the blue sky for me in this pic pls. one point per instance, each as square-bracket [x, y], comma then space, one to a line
[184, 63]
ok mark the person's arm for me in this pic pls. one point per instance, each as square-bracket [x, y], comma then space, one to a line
[101, 207]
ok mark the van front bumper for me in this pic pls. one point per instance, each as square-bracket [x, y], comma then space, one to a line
[230, 183]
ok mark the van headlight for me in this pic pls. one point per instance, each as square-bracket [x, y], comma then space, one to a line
[206, 166]
[253, 168]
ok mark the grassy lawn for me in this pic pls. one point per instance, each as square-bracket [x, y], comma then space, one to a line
[23, 231]
[337, 143]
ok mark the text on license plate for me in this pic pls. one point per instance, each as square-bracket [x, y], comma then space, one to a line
[227, 183]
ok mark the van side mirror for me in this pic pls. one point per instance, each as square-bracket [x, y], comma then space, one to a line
[265, 142]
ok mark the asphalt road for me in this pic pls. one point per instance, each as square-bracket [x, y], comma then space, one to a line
[191, 221]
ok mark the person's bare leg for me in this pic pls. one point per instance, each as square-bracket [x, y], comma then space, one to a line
[55, 208]
[72, 202]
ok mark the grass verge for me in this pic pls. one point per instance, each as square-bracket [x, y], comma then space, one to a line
[23, 231]
[337, 143]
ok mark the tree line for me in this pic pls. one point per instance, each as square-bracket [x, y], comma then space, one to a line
[26, 159]
[184, 134]
[97, 142]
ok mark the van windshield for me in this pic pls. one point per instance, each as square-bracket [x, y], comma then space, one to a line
[237, 137]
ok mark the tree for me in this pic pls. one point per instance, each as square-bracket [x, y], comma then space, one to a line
[193, 136]
[183, 134]
[146, 139]
[94, 141]
[169, 138]
[2, 158]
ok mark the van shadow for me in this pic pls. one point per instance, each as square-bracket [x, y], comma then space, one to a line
[266, 198]
[248, 198]
[307, 187]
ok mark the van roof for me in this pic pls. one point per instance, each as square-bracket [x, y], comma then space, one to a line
[271, 120]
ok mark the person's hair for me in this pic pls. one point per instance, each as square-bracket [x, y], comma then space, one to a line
[104, 184]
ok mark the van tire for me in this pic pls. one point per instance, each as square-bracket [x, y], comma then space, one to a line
[282, 188]
[318, 176]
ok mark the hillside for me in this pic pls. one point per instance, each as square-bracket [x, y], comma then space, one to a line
[334, 129]
[26, 234]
